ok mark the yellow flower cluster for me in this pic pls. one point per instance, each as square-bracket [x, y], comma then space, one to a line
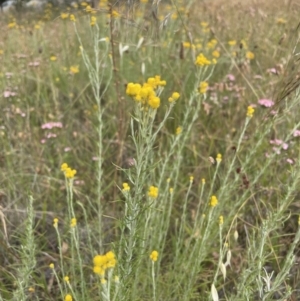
[115, 14]
[55, 222]
[64, 16]
[178, 130]
[126, 187]
[212, 43]
[74, 69]
[153, 192]
[201, 60]
[73, 222]
[250, 55]
[221, 220]
[72, 18]
[174, 97]
[69, 172]
[12, 25]
[104, 262]
[216, 54]
[68, 297]
[146, 93]
[219, 158]
[232, 42]
[203, 87]
[93, 21]
[154, 256]
[213, 201]
[250, 111]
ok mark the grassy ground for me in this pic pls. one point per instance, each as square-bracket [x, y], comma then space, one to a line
[208, 181]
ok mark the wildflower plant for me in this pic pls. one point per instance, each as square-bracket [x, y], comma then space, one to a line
[198, 214]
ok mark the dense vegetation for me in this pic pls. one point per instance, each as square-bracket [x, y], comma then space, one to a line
[150, 151]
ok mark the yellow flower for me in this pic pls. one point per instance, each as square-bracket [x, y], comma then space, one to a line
[244, 44]
[73, 222]
[64, 167]
[64, 16]
[154, 102]
[53, 58]
[186, 44]
[68, 297]
[133, 89]
[74, 69]
[72, 18]
[83, 4]
[203, 181]
[216, 54]
[31, 289]
[55, 222]
[201, 60]
[70, 173]
[12, 25]
[93, 20]
[219, 158]
[103, 262]
[88, 9]
[191, 179]
[67, 279]
[171, 190]
[203, 87]
[204, 24]
[153, 192]
[178, 130]
[221, 220]
[213, 201]
[1, 51]
[174, 97]
[232, 43]
[115, 14]
[154, 256]
[250, 111]
[51, 266]
[212, 43]
[281, 21]
[126, 187]
[250, 55]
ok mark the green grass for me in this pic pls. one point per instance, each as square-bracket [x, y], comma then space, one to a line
[52, 114]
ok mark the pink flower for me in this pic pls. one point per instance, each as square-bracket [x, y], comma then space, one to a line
[296, 133]
[276, 141]
[51, 135]
[8, 93]
[285, 146]
[279, 142]
[266, 102]
[231, 77]
[272, 70]
[291, 161]
[50, 125]
[34, 64]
